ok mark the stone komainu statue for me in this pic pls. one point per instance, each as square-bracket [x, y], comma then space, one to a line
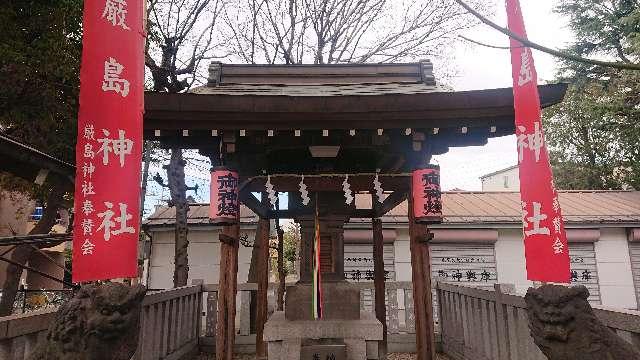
[100, 323]
[564, 327]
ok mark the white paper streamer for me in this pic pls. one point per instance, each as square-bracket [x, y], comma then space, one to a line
[348, 195]
[377, 186]
[273, 198]
[304, 194]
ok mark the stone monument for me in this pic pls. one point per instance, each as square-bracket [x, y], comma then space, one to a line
[344, 329]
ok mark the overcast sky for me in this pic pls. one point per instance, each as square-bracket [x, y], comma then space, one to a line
[484, 68]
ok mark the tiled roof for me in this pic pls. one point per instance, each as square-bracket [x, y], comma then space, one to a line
[198, 215]
[588, 206]
[320, 89]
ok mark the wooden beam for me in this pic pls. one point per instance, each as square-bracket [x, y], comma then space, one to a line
[228, 284]
[393, 200]
[378, 276]
[250, 201]
[262, 267]
[295, 213]
[421, 279]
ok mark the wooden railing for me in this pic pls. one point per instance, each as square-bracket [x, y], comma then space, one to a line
[170, 327]
[170, 324]
[486, 325]
[178, 322]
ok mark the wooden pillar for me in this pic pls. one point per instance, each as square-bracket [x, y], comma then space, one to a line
[228, 286]
[421, 279]
[262, 267]
[378, 276]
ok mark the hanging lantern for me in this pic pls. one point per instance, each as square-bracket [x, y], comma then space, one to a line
[427, 198]
[224, 208]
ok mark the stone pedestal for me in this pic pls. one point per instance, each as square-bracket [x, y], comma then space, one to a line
[343, 329]
[285, 338]
[341, 300]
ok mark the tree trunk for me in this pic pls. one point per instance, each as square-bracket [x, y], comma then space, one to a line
[22, 253]
[178, 190]
[145, 174]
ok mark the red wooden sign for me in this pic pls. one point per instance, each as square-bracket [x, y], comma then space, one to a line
[224, 208]
[426, 195]
[546, 248]
[109, 145]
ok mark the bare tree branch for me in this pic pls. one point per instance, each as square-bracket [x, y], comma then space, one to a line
[564, 55]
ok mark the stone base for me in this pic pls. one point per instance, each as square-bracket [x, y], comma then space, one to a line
[285, 337]
[341, 300]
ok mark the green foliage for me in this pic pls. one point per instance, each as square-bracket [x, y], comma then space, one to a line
[39, 63]
[40, 51]
[594, 134]
[291, 241]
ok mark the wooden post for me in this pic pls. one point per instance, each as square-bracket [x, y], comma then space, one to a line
[228, 286]
[378, 276]
[421, 278]
[262, 267]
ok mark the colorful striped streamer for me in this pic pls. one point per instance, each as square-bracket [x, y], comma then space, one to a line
[317, 291]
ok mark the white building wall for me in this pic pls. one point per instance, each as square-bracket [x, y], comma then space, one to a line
[510, 260]
[507, 180]
[402, 255]
[614, 269]
[204, 257]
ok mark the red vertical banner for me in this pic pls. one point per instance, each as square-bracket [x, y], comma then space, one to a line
[109, 144]
[546, 248]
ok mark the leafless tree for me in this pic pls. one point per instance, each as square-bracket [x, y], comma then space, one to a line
[343, 31]
[181, 35]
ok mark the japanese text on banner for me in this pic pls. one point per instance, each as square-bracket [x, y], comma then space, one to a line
[109, 145]
[546, 248]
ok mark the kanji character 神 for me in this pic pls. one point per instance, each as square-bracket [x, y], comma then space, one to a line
[115, 12]
[112, 80]
[119, 147]
[534, 142]
[88, 169]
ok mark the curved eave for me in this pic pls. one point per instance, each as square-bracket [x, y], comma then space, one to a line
[475, 108]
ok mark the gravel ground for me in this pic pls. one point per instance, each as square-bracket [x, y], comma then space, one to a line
[394, 356]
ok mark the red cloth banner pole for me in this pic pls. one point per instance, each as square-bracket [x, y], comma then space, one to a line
[109, 144]
[545, 241]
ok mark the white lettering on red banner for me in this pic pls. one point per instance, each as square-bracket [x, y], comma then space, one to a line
[109, 147]
[546, 248]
